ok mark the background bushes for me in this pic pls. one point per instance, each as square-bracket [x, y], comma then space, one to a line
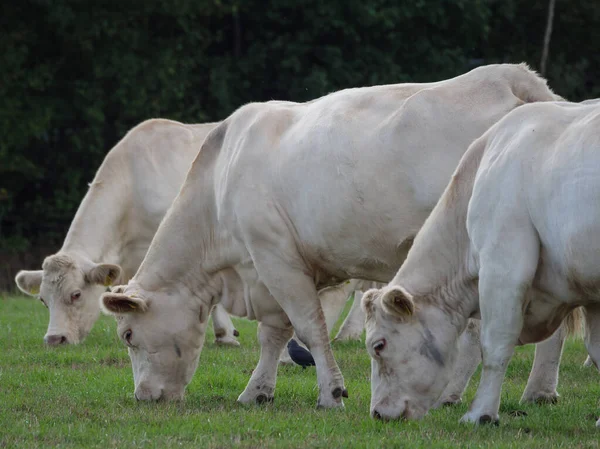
[76, 75]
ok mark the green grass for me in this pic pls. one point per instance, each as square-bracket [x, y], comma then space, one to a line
[82, 396]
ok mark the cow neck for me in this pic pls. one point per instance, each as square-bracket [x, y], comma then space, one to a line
[189, 248]
[99, 224]
[440, 269]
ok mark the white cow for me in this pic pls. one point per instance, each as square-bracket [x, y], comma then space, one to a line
[113, 228]
[513, 238]
[308, 195]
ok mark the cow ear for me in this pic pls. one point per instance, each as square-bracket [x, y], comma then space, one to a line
[367, 301]
[117, 288]
[29, 281]
[104, 274]
[398, 302]
[118, 304]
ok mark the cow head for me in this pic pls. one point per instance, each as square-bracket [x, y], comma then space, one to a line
[164, 333]
[412, 348]
[70, 287]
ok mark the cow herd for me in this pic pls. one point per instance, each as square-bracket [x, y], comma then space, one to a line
[473, 198]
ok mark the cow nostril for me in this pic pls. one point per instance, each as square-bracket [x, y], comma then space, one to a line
[377, 415]
[63, 340]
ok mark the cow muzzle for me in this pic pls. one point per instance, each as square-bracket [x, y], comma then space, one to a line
[145, 392]
[403, 411]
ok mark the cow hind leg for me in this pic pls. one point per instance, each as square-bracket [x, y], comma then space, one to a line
[296, 294]
[502, 321]
[469, 358]
[592, 336]
[225, 332]
[333, 300]
[354, 323]
[261, 387]
[543, 379]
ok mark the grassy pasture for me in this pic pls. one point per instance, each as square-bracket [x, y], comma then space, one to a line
[83, 397]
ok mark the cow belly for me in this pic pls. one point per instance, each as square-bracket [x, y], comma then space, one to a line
[541, 322]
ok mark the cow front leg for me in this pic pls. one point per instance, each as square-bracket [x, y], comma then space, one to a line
[272, 245]
[592, 336]
[225, 332]
[309, 323]
[503, 284]
[333, 300]
[543, 379]
[261, 387]
[469, 358]
[295, 292]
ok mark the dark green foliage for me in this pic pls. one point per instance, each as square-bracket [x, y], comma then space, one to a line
[76, 75]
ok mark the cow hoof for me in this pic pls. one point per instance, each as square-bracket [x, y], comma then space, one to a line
[487, 419]
[453, 399]
[227, 341]
[264, 399]
[339, 393]
[322, 406]
[541, 398]
[588, 362]
[256, 396]
[331, 402]
[476, 418]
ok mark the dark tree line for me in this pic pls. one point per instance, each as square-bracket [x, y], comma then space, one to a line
[76, 75]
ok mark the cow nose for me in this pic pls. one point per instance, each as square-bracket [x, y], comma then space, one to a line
[145, 393]
[376, 415]
[55, 340]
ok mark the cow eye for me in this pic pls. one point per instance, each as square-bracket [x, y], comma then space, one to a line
[43, 302]
[75, 295]
[127, 337]
[379, 346]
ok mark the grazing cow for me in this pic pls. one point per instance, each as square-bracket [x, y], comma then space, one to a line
[113, 228]
[513, 240]
[308, 195]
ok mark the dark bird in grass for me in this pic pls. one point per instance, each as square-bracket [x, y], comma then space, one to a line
[300, 355]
